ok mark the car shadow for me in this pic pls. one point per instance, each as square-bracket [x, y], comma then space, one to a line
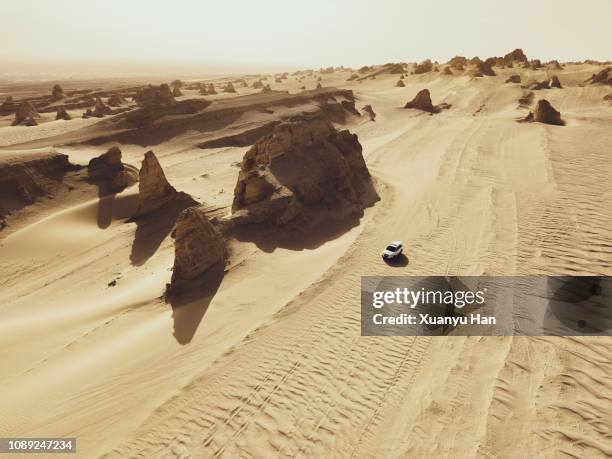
[398, 262]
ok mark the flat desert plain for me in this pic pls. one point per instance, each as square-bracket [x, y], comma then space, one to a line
[267, 360]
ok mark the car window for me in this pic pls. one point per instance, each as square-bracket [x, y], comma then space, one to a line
[391, 247]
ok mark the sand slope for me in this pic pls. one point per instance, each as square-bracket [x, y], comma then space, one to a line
[272, 364]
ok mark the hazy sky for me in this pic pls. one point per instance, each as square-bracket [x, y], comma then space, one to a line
[309, 33]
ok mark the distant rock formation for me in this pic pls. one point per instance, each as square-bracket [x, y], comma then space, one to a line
[354, 76]
[109, 172]
[229, 87]
[424, 67]
[211, 89]
[176, 91]
[101, 109]
[266, 88]
[422, 101]
[303, 167]
[57, 93]
[514, 79]
[603, 77]
[447, 71]
[554, 82]
[62, 114]
[25, 115]
[536, 64]
[319, 86]
[154, 191]
[545, 113]
[115, 100]
[151, 96]
[526, 99]
[370, 111]
[400, 84]
[198, 247]
[8, 106]
[483, 68]
[458, 63]
[515, 56]
[555, 64]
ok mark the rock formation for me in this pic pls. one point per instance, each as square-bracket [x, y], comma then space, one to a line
[515, 56]
[370, 111]
[62, 114]
[319, 86]
[555, 64]
[100, 109]
[176, 91]
[458, 63]
[603, 77]
[354, 76]
[229, 87]
[526, 99]
[115, 100]
[545, 113]
[422, 101]
[554, 82]
[57, 93]
[514, 79]
[423, 67]
[110, 173]
[447, 71]
[8, 106]
[154, 191]
[152, 96]
[483, 68]
[258, 84]
[25, 115]
[400, 84]
[211, 89]
[536, 64]
[198, 246]
[305, 166]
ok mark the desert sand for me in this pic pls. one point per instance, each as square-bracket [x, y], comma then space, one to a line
[269, 361]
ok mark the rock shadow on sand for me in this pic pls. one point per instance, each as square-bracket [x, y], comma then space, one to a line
[191, 303]
[152, 229]
[112, 206]
[310, 237]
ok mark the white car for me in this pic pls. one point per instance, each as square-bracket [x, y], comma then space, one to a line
[393, 250]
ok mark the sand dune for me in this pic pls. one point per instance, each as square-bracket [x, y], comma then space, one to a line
[271, 362]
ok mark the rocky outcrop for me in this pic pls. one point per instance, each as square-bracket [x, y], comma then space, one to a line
[400, 84]
[603, 77]
[554, 82]
[211, 89]
[514, 79]
[176, 91]
[370, 111]
[483, 68]
[25, 115]
[447, 71]
[154, 191]
[8, 106]
[115, 100]
[545, 113]
[100, 109]
[109, 172]
[198, 247]
[424, 67]
[28, 176]
[422, 101]
[555, 65]
[304, 165]
[229, 87]
[57, 93]
[526, 99]
[515, 56]
[152, 96]
[258, 84]
[62, 114]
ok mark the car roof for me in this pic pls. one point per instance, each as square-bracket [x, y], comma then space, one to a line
[396, 243]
